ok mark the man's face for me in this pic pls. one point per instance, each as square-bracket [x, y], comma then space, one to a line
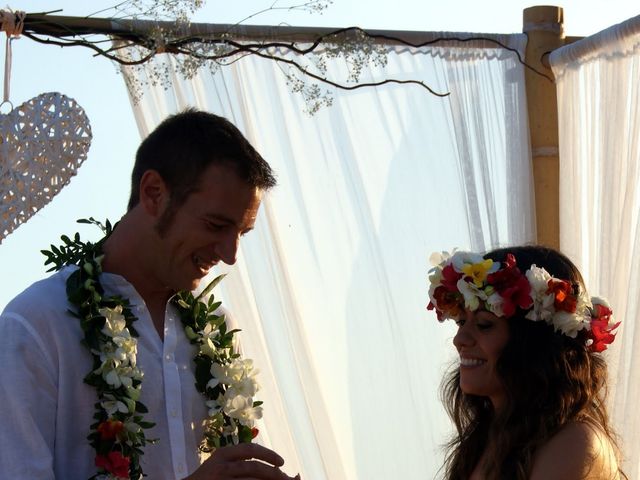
[204, 230]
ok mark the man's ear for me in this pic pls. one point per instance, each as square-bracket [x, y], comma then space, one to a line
[154, 193]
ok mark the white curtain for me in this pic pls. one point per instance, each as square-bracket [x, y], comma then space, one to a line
[331, 287]
[598, 82]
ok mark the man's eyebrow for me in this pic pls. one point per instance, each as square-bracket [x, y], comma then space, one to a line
[219, 217]
[225, 219]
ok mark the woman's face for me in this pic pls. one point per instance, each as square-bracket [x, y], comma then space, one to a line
[480, 340]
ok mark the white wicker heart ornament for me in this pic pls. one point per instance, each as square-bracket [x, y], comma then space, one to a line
[42, 144]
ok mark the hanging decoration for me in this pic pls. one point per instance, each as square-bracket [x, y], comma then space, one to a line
[42, 144]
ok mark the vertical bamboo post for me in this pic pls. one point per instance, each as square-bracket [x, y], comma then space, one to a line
[545, 31]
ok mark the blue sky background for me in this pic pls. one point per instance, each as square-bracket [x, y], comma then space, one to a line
[101, 187]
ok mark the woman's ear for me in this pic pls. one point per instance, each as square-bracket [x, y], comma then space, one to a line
[154, 193]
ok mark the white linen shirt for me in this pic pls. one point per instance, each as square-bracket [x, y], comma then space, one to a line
[46, 409]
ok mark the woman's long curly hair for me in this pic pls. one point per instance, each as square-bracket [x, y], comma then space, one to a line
[549, 380]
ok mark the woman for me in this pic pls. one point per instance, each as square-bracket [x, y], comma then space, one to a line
[528, 396]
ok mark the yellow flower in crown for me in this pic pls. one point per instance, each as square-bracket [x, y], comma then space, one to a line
[478, 271]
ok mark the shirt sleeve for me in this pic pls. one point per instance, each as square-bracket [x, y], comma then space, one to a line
[28, 392]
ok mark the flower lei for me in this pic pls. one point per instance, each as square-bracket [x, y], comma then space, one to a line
[465, 280]
[226, 381]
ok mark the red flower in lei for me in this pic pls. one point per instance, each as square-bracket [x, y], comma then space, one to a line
[114, 463]
[512, 285]
[110, 429]
[562, 291]
[602, 334]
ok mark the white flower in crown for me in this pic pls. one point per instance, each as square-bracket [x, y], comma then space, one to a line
[437, 259]
[461, 259]
[494, 304]
[543, 308]
[567, 323]
[472, 294]
[435, 279]
[571, 323]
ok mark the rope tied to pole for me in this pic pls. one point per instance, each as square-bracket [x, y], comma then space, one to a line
[12, 24]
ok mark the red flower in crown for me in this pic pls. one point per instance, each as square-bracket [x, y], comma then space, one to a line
[450, 279]
[602, 312]
[518, 295]
[114, 463]
[512, 285]
[602, 332]
[448, 303]
[562, 291]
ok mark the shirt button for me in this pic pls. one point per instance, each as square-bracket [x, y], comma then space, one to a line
[174, 413]
[168, 357]
[181, 468]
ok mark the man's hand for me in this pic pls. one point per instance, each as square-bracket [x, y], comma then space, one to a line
[248, 461]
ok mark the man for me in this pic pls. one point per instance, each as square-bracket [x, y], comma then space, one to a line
[196, 188]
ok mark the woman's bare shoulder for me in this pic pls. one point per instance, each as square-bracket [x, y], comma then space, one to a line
[578, 451]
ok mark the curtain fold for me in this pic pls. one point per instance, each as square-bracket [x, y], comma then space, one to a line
[599, 120]
[331, 287]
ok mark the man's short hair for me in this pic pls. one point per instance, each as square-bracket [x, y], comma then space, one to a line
[185, 144]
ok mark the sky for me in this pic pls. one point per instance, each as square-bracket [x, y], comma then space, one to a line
[100, 188]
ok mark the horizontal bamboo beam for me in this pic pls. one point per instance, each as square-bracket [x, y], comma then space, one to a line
[66, 26]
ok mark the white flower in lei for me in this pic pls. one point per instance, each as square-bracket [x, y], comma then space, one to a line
[118, 436]
[227, 381]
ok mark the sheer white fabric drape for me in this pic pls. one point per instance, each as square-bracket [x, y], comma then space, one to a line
[599, 117]
[331, 287]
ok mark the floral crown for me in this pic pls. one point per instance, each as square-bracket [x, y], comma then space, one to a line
[464, 280]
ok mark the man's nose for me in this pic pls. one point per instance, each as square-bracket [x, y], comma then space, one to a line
[227, 248]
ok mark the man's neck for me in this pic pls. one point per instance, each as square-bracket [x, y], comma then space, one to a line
[125, 255]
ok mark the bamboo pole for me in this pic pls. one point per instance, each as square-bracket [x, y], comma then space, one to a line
[65, 26]
[545, 31]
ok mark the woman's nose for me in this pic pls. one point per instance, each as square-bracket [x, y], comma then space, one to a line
[464, 337]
